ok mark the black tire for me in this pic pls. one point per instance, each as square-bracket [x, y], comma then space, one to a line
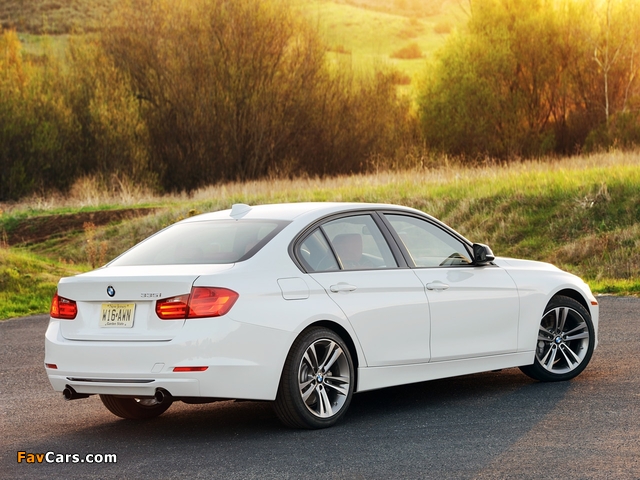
[317, 381]
[566, 340]
[135, 408]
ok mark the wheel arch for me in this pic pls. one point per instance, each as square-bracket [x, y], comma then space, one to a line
[577, 296]
[557, 337]
[344, 334]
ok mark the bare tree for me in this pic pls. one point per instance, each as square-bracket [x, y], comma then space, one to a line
[605, 56]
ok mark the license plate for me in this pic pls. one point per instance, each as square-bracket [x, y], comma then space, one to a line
[117, 315]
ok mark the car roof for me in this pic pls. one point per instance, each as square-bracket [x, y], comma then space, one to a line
[293, 211]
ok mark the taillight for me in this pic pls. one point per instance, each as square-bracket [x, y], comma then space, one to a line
[202, 302]
[174, 308]
[210, 302]
[63, 308]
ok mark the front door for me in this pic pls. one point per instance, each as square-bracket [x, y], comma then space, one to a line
[474, 309]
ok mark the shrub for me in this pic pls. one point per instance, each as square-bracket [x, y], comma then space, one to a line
[36, 127]
[533, 77]
[113, 138]
[443, 27]
[410, 52]
[241, 89]
[187, 93]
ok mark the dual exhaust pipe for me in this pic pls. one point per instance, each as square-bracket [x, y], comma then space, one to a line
[69, 393]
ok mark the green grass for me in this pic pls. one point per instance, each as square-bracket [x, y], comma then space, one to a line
[36, 45]
[582, 214]
[367, 37]
[609, 286]
[28, 281]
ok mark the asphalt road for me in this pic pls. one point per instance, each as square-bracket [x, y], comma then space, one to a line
[490, 425]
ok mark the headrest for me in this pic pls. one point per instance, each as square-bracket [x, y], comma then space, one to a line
[348, 246]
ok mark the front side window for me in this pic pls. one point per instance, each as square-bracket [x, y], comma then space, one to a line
[429, 245]
[204, 242]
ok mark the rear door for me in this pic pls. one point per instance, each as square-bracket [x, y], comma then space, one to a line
[384, 301]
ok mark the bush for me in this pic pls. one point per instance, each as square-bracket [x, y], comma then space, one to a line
[113, 138]
[443, 27]
[410, 52]
[186, 93]
[533, 77]
[37, 129]
[236, 90]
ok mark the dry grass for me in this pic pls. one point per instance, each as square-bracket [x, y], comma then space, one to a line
[581, 213]
[619, 250]
[53, 16]
[92, 192]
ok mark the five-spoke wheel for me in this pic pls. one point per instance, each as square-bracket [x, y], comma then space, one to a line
[565, 341]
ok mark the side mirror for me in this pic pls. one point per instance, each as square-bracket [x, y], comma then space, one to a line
[482, 254]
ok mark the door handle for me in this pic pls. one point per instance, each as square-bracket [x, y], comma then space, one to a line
[437, 286]
[342, 288]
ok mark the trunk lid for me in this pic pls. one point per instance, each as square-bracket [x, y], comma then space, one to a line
[118, 303]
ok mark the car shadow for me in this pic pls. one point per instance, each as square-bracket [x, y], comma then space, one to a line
[456, 424]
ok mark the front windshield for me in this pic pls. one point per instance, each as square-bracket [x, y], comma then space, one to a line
[204, 242]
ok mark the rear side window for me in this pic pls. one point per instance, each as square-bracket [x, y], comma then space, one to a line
[346, 243]
[316, 255]
[205, 242]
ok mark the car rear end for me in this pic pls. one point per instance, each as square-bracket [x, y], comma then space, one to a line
[135, 328]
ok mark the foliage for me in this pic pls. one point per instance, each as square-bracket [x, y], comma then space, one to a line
[37, 129]
[182, 94]
[531, 77]
[240, 89]
[113, 139]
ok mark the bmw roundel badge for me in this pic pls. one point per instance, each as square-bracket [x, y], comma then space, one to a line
[111, 291]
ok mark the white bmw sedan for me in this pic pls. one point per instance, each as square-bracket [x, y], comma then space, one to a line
[304, 305]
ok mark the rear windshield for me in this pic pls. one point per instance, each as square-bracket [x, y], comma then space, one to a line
[205, 242]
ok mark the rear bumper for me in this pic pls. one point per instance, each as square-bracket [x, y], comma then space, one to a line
[243, 362]
[178, 387]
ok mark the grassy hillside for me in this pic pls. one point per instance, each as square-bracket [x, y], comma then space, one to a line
[582, 214]
[370, 32]
[53, 16]
[27, 282]
[362, 32]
